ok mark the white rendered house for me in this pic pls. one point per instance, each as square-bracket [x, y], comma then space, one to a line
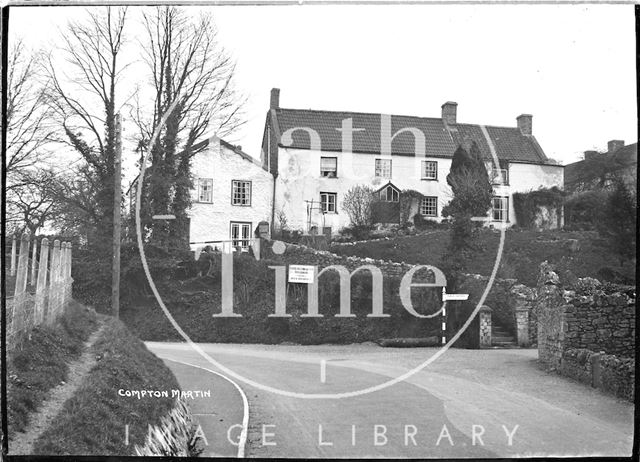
[317, 156]
[232, 194]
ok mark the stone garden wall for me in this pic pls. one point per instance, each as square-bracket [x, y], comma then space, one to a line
[302, 255]
[588, 332]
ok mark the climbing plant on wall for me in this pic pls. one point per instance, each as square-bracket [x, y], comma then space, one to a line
[526, 205]
[408, 197]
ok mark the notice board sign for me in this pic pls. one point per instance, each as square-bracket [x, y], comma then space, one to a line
[301, 274]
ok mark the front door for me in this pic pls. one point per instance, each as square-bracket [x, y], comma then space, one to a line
[240, 234]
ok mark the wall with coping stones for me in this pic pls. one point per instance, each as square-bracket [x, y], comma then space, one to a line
[587, 333]
[302, 255]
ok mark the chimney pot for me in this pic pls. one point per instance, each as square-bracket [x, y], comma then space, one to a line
[449, 110]
[525, 124]
[614, 145]
[275, 98]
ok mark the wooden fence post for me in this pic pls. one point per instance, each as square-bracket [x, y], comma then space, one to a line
[34, 262]
[69, 278]
[41, 287]
[63, 273]
[54, 298]
[13, 256]
[20, 294]
[61, 281]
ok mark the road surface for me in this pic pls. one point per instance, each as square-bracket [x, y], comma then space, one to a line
[468, 403]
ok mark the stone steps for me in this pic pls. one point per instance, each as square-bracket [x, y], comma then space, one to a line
[500, 337]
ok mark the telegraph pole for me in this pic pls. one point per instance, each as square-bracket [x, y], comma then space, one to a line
[117, 197]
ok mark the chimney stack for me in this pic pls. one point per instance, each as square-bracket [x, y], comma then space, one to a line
[449, 110]
[525, 124]
[614, 145]
[275, 98]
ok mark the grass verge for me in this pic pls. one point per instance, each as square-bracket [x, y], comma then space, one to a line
[93, 421]
[41, 362]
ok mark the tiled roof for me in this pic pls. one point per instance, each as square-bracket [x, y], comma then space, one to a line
[441, 141]
[625, 157]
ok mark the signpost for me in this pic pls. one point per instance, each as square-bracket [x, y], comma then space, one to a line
[302, 274]
[445, 298]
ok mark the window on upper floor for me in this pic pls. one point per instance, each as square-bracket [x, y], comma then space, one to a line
[429, 170]
[389, 194]
[205, 190]
[499, 176]
[241, 193]
[500, 208]
[383, 168]
[429, 206]
[328, 202]
[329, 167]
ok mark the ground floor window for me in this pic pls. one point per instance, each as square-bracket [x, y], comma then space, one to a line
[429, 206]
[240, 234]
[500, 208]
[328, 201]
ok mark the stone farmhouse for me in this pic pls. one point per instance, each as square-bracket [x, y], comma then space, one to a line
[597, 169]
[311, 158]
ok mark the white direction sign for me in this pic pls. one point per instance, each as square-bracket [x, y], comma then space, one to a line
[452, 297]
[302, 274]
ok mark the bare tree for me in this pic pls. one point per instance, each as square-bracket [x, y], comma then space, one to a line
[83, 98]
[32, 203]
[29, 131]
[188, 67]
[358, 204]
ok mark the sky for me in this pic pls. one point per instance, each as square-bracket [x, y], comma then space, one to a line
[571, 66]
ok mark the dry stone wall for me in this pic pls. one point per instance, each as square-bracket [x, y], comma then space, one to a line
[302, 255]
[588, 333]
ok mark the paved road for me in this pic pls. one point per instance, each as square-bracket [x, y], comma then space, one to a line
[433, 414]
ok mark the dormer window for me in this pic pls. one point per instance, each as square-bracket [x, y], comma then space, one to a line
[389, 193]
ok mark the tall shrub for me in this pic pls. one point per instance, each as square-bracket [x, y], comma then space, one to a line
[472, 192]
[619, 221]
[583, 210]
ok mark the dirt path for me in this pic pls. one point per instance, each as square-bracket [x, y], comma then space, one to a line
[22, 443]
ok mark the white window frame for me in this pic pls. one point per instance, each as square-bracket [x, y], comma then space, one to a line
[243, 236]
[326, 204]
[331, 172]
[494, 176]
[425, 207]
[425, 171]
[205, 190]
[381, 168]
[384, 194]
[236, 191]
[502, 212]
